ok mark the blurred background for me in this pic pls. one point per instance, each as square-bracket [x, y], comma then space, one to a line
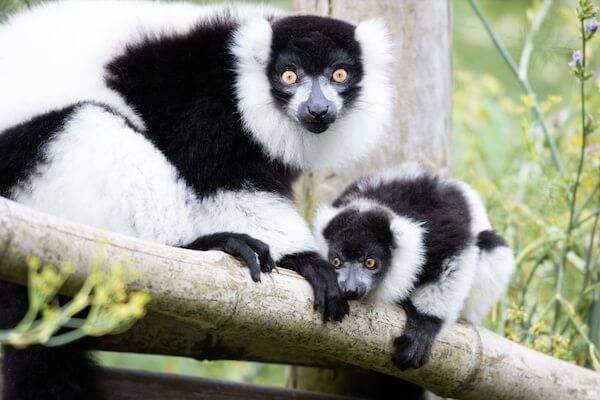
[499, 147]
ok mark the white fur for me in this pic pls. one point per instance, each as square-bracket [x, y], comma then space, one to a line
[445, 297]
[265, 216]
[492, 276]
[401, 172]
[407, 261]
[102, 173]
[54, 55]
[479, 218]
[350, 137]
[303, 92]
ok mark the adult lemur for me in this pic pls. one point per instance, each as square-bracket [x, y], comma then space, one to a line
[183, 125]
[409, 238]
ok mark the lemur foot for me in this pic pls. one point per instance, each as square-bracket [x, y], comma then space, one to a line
[328, 297]
[241, 246]
[412, 351]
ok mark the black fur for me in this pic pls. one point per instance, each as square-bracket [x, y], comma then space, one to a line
[22, 147]
[414, 346]
[328, 297]
[441, 208]
[314, 46]
[353, 235]
[188, 105]
[489, 240]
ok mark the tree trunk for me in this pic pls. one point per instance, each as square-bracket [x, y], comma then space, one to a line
[422, 34]
[205, 305]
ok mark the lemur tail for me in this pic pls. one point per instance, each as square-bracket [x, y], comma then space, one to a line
[493, 272]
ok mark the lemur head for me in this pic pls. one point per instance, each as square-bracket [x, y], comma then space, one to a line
[360, 248]
[374, 252]
[313, 91]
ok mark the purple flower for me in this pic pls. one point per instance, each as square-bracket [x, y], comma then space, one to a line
[592, 26]
[576, 58]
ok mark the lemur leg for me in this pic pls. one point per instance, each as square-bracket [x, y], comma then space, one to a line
[433, 306]
[414, 346]
[494, 269]
[238, 245]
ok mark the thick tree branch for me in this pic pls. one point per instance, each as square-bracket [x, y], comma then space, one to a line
[205, 306]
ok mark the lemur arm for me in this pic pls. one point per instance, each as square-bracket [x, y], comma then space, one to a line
[323, 279]
[250, 222]
[433, 306]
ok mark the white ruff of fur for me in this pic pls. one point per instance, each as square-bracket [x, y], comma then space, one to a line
[353, 135]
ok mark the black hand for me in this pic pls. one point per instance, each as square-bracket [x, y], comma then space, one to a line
[238, 245]
[321, 276]
[414, 346]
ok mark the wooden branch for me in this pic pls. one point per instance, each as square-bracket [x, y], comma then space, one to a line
[209, 298]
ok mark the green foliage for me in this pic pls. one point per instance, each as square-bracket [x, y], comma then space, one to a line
[549, 214]
[111, 308]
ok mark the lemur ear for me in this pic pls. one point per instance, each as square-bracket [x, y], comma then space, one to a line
[252, 42]
[376, 45]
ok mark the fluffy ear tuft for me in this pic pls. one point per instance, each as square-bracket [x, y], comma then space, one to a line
[376, 45]
[323, 216]
[252, 42]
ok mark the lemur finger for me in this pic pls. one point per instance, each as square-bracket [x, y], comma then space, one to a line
[337, 306]
[263, 251]
[240, 249]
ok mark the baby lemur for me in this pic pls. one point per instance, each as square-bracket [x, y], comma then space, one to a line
[419, 241]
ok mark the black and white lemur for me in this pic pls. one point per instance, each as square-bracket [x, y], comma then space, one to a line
[420, 241]
[183, 125]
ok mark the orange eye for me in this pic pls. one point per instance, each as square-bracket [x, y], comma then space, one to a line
[336, 262]
[289, 77]
[370, 263]
[340, 75]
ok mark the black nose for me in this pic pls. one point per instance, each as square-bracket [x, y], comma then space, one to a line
[318, 111]
[352, 294]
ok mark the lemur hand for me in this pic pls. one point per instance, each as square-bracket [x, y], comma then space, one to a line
[241, 246]
[328, 296]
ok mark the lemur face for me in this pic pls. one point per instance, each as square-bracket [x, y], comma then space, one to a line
[315, 69]
[360, 250]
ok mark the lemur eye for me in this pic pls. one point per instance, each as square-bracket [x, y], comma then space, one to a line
[336, 262]
[370, 263]
[340, 75]
[289, 77]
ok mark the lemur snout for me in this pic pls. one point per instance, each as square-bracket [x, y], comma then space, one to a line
[355, 293]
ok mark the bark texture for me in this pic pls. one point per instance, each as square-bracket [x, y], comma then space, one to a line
[206, 306]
